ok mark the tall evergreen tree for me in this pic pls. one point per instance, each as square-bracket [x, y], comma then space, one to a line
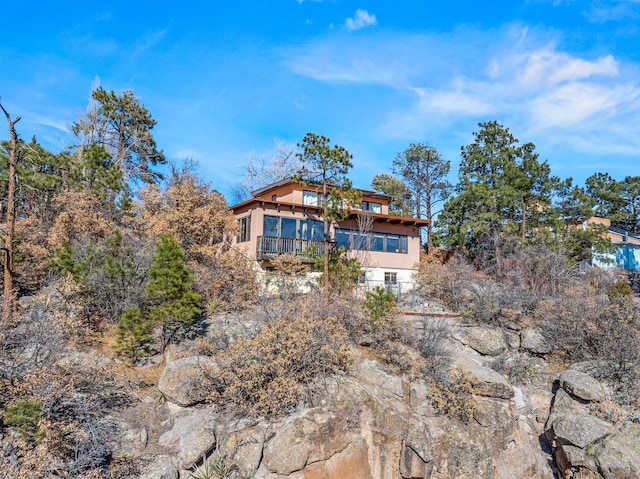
[402, 204]
[327, 167]
[617, 200]
[174, 302]
[501, 187]
[424, 172]
[41, 175]
[94, 169]
[122, 125]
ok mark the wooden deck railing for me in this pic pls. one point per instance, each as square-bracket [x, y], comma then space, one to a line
[270, 246]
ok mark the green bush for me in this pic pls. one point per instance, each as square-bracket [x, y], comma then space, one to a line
[379, 303]
[133, 334]
[620, 289]
[23, 417]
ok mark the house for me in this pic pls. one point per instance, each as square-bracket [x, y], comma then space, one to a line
[286, 217]
[627, 247]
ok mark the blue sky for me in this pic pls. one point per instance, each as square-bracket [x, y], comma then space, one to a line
[227, 79]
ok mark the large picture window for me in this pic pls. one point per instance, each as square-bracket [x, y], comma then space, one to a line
[295, 228]
[390, 243]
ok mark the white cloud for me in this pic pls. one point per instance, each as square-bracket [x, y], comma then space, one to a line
[578, 102]
[431, 85]
[548, 67]
[612, 10]
[361, 19]
[187, 153]
[452, 102]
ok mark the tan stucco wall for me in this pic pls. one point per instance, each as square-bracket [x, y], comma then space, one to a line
[374, 259]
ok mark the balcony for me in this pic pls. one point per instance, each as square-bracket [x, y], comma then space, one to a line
[271, 246]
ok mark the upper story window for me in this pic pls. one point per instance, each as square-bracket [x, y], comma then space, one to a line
[311, 198]
[295, 228]
[245, 229]
[384, 242]
[372, 207]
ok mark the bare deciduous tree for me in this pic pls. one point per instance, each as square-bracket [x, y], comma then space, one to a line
[10, 218]
[262, 170]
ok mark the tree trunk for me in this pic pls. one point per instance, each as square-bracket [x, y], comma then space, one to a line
[327, 231]
[429, 226]
[11, 220]
[524, 221]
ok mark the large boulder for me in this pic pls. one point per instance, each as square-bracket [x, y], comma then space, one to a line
[192, 436]
[310, 436]
[619, 454]
[532, 340]
[582, 386]
[579, 430]
[188, 381]
[486, 381]
[487, 341]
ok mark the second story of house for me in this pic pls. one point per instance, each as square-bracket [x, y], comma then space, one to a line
[286, 217]
[288, 192]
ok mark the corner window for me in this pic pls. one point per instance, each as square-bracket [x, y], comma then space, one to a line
[311, 198]
[372, 207]
[293, 228]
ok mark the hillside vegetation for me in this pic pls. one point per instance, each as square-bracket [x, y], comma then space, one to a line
[120, 284]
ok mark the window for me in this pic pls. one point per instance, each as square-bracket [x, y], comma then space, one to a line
[372, 207]
[311, 230]
[385, 242]
[245, 229]
[311, 198]
[359, 240]
[288, 227]
[390, 278]
[271, 226]
[377, 242]
[294, 228]
[343, 238]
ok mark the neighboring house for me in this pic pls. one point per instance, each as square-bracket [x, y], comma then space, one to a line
[627, 254]
[286, 217]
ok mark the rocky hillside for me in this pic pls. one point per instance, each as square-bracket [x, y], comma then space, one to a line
[376, 422]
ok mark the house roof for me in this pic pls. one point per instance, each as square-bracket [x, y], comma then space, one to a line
[266, 189]
[378, 217]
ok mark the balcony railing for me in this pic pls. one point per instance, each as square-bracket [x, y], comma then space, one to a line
[270, 246]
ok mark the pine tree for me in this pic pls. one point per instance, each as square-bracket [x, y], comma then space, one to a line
[133, 333]
[174, 302]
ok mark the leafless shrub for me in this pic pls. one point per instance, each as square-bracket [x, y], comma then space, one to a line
[32, 343]
[448, 282]
[278, 370]
[433, 346]
[226, 279]
[452, 394]
[76, 402]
